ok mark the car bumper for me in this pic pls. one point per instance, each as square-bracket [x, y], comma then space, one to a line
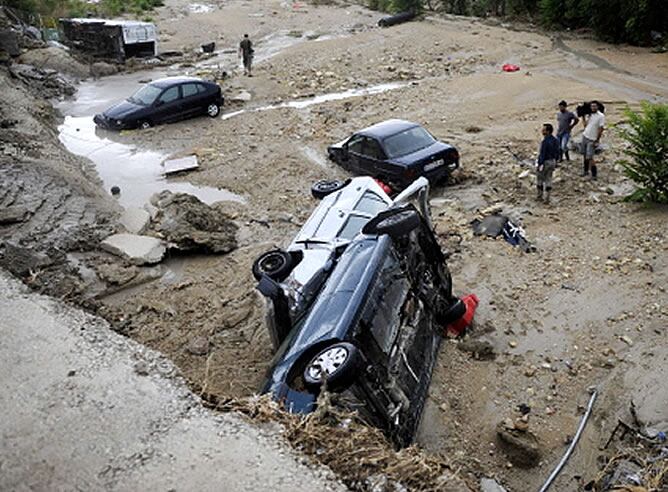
[440, 172]
[108, 123]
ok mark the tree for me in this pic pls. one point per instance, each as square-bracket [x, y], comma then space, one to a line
[648, 138]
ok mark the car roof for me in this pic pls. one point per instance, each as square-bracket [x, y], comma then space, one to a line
[169, 81]
[386, 128]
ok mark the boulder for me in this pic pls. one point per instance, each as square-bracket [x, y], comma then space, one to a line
[135, 220]
[9, 42]
[189, 224]
[22, 260]
[102, 69]
[243, 96]
[139, 250]
[521, 447]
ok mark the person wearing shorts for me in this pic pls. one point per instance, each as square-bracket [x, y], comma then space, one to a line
[595, 124]
[547, 161]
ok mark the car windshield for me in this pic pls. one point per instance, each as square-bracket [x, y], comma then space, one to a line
[146, 95]
[408, 141]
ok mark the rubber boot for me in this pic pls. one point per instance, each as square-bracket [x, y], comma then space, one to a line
[546, 197]
[568, 157]
[585, 170]
[594, 172]
[539, 193]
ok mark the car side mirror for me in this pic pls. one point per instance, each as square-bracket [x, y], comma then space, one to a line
[395, 222]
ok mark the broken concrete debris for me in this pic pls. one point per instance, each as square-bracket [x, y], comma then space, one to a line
[135, 220]
[182, 164]
[520, 444]
[139, 250]
[490, 485]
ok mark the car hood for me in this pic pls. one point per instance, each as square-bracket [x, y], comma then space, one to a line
[122, 109]
[422, 154]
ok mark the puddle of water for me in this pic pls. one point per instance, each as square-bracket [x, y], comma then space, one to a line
[334, 96]
[137, 172]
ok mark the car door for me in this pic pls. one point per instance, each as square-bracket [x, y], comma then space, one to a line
[354, 155]
[168, 106]
[194, 101]
[374, 159]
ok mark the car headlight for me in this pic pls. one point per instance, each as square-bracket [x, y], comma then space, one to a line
[118, 122]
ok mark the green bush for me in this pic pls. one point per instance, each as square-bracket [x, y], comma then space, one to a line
[648, 136]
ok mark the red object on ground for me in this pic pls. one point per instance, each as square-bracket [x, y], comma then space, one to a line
[509, 67]
[456, 328]
[385, 187]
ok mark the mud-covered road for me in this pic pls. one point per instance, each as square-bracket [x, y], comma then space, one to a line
[589, 308]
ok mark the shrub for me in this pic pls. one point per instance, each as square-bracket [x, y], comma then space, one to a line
[648, 138]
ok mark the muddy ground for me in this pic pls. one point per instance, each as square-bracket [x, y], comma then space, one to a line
[589, 308]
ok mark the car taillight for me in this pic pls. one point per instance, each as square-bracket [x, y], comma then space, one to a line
[453, 155]
[410, 173]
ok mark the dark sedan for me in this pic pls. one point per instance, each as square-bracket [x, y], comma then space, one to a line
[396, 152]
[163, 101]
[373, 332]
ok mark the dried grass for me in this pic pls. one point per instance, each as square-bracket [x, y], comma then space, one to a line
[349, 447]
[653, 473]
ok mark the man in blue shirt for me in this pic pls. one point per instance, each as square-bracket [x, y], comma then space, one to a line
[547, 161]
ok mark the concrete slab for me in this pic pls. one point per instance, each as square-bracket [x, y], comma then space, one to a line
[84, 408]
[180, 165]
[135, 220]
[140, 250]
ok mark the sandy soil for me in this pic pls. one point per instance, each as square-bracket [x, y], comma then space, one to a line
[559, 320]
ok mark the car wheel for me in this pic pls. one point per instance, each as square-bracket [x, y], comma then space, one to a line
[144, 125]
[393, 223]
[323, 188]
[337, 365]
[454, 312]
[276, 264]
[213, 110]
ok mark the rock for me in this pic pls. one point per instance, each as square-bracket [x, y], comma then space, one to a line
[102, 69]
[140, 250]
[243, 96]
[198, 346]
[12, 215]
[22, 260]
[135, 220]
[520, 447]
[9, 42]
[490, 485]
[481, 349]
[191, 225]
[141, 368]
[116, 274]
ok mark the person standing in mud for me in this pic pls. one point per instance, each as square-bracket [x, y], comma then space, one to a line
[246, 53]
[591, 137]
[547, 161]
[566, 121]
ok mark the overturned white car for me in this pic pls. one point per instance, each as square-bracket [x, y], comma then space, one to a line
[301, 269]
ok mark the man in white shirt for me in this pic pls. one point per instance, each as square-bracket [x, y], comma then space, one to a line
[595, 124]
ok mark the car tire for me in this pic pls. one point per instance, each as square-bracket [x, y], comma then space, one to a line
[144, 124]
[276, 264]
[337, 364]
[395, 225]
[323, 188]
[213, 110]
[454, 312]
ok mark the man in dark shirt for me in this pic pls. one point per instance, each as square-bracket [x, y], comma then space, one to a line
[566, 121]
[547, 160]
[246, 52]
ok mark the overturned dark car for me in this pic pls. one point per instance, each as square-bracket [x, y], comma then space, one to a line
[372, 334]
[163, 101]
[396, 152]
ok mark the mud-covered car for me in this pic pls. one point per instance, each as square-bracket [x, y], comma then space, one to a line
[303, 266]
[373, 332]
[396, 152]
[163, 101]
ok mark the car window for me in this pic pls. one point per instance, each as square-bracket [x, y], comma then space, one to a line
[170, 95]
[352, 226]
[356, 144]
[408, 141]
[201, 88]
[372, 149]
[392, 290]
[370, 203]
[146, 95]
[189, 90]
